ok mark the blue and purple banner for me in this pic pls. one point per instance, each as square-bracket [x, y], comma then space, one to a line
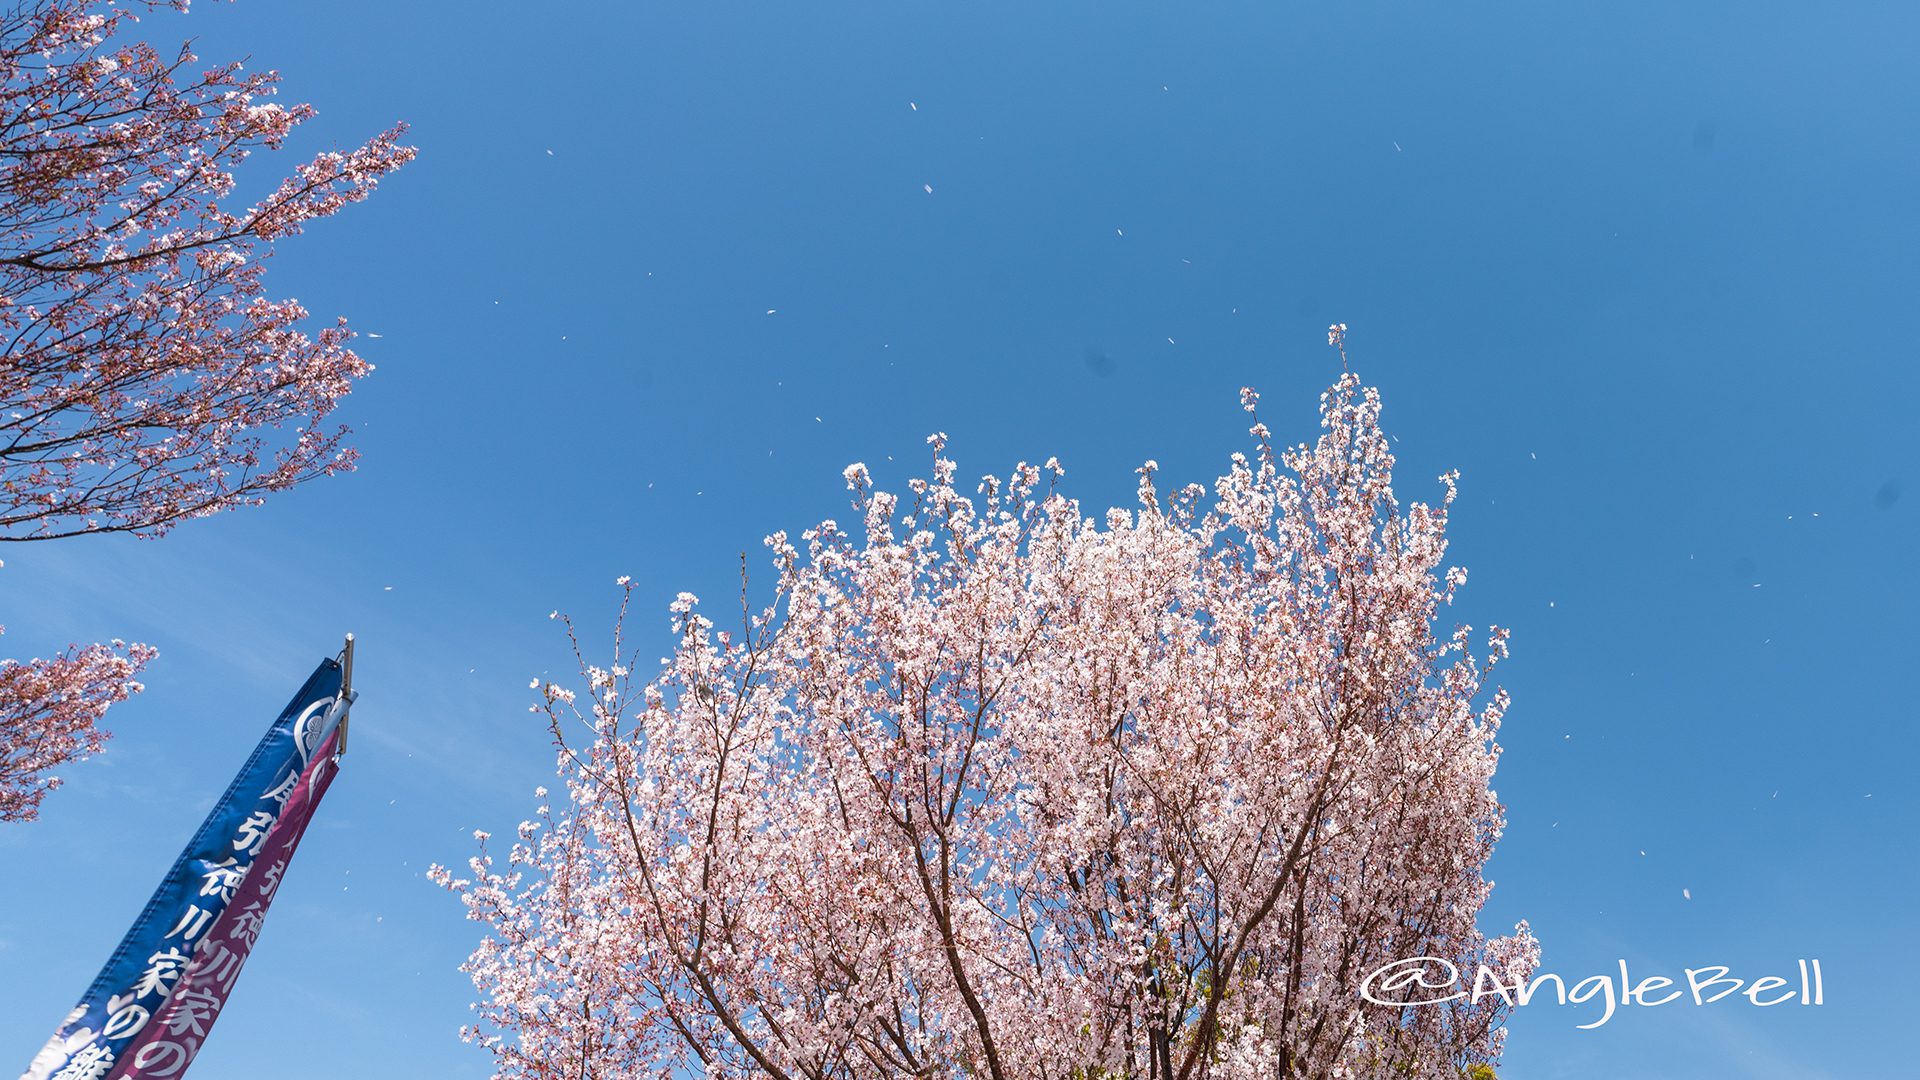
[147, 1012]
[167, 1045]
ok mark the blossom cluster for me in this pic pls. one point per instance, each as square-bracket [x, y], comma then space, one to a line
[49, 711]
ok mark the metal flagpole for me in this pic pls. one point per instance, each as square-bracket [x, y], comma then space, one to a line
[346, 691]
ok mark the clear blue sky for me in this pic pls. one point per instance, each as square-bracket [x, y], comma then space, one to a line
[1643, 273]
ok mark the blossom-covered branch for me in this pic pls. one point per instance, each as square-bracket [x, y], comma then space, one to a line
[146, 376]
[48, 717]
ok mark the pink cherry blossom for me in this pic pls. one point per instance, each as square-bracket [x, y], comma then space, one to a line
[148, 377]
[49, 711]
[996, 789]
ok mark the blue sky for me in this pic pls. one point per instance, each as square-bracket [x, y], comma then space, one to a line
[1643, 273]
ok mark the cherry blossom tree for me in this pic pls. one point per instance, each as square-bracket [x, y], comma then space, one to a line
[147, 377]
[996, 789]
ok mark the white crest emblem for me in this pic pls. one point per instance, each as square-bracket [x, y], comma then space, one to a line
[311, 728]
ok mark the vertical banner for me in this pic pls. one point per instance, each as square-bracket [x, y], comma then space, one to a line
[211, 874]
[167, 1045]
